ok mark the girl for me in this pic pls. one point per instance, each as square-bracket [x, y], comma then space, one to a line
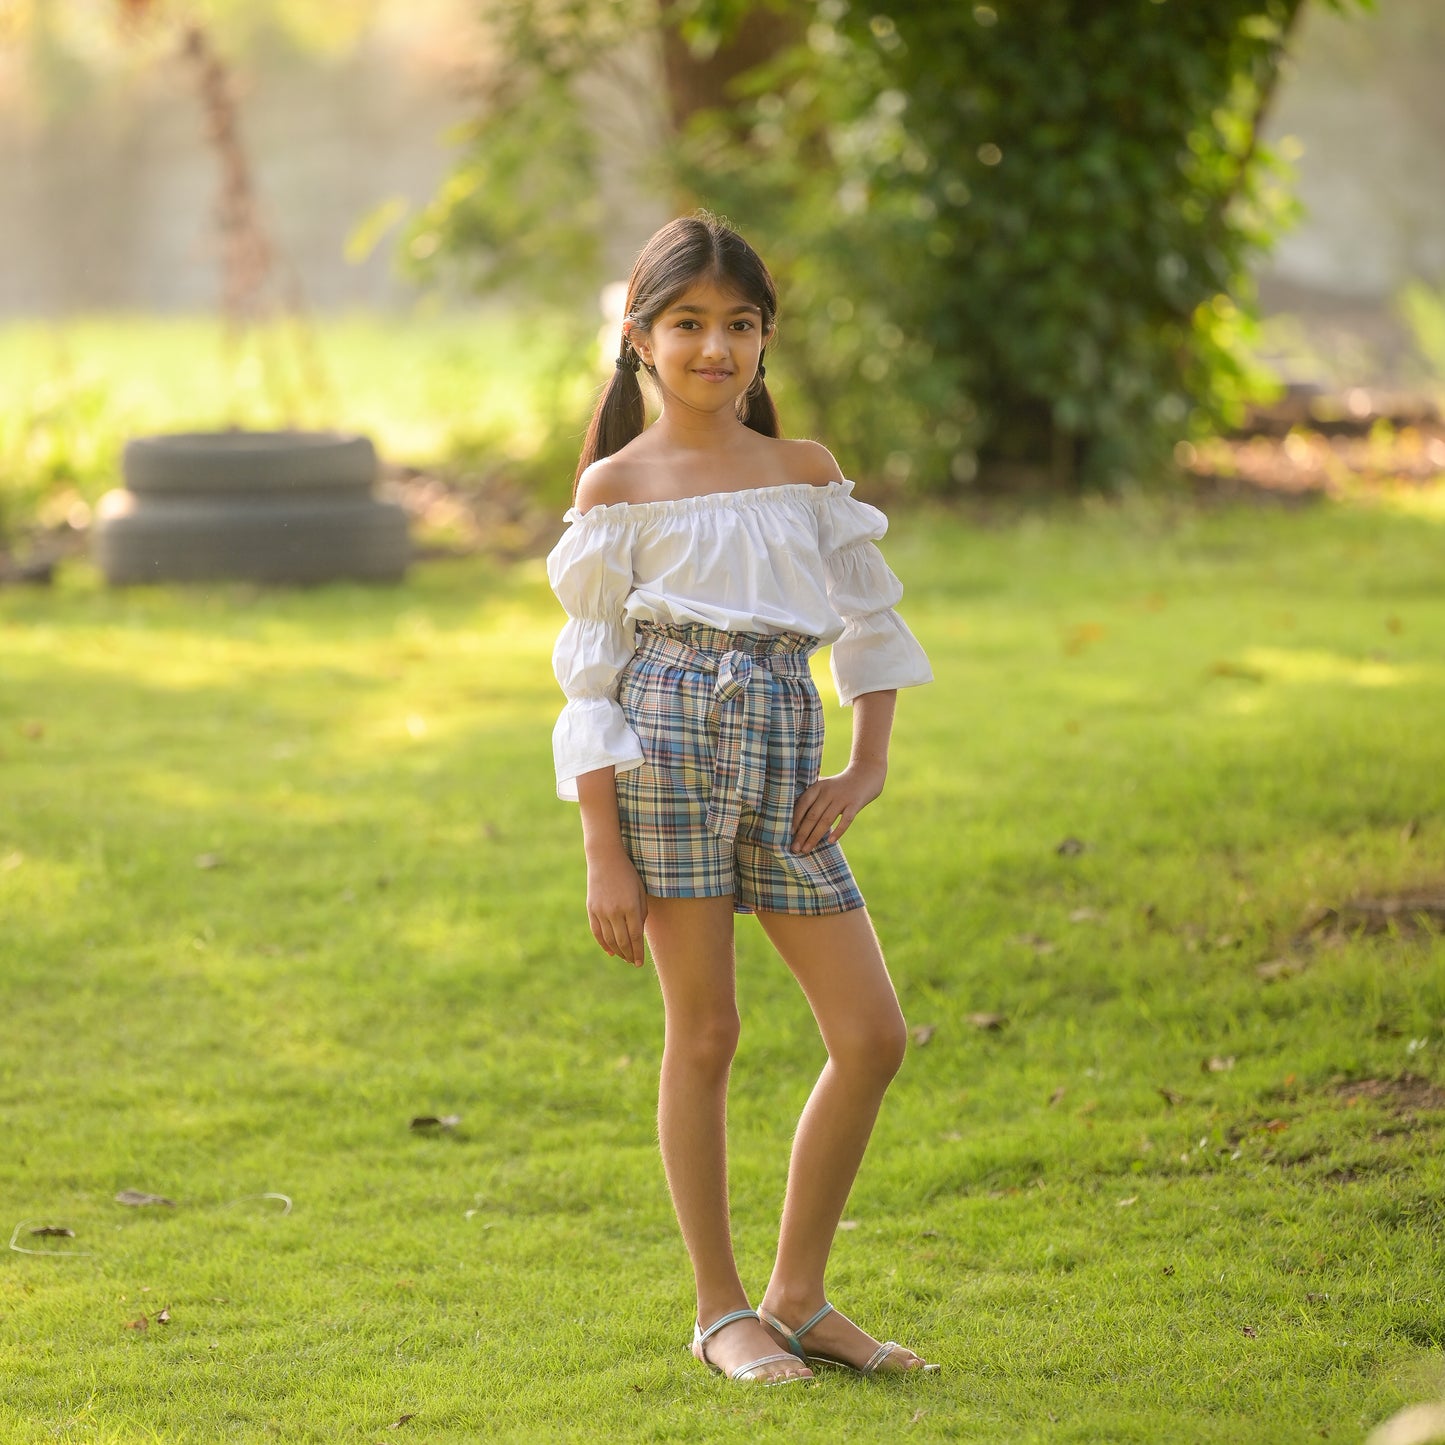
[705, 560]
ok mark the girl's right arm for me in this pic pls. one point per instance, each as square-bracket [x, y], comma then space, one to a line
[616, 899]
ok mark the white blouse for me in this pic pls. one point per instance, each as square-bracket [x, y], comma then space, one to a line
[793, 558]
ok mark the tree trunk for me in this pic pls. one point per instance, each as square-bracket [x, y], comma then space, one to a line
[701, 82]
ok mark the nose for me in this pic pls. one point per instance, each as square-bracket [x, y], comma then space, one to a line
[714, 343]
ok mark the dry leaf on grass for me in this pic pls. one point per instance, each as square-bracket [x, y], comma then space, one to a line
[1070, 847]
[400, 1421]
[923, 1032]
[434, 1121]
[986, 1020]
[137, 1198]
[1057, 1096]
[1169, 1096]
[1216, 1065]
[1278, 968]
[141, 1324]
[52, 1231]
[210, 860]
[164, 1318]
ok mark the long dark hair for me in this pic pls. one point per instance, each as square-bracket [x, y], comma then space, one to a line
[684, 252]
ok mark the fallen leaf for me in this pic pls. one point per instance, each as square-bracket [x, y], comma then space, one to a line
[1216, 1065]
[1084, 915]
[1409, 831]
[1070, 847]
[52, 1231]
[1276, 1126]
[400, 1421]
[1170, 1097]
[923, 1032]
[141, 1324]
[432, 1121]
[1037, 942]
[1125, 1203]
[1249, 1330]
[917, 1416]
[1394, 626]
[1057, 1096]
[1236, 670]
[1278, 968]
[1168, 1270]
[164, 1318]
[1082, 635]
[209, 860]
[136, 1198]
[986, 1020]
[33, 730]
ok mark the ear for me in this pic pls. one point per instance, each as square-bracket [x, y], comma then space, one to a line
[639, 341]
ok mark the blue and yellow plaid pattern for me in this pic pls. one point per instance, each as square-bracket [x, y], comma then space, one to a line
[732, 732]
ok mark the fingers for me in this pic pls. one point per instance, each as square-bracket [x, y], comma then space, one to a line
[823, 813]
[620, 934]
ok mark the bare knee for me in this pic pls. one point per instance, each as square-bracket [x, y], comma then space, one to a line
[871, 1050]
[703, 1045]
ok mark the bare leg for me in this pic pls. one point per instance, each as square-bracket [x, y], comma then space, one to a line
[837, 961]
[692, 946]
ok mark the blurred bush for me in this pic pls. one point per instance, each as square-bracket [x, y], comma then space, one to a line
[1012, 239]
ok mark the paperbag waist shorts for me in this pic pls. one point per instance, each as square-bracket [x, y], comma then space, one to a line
[731, 728]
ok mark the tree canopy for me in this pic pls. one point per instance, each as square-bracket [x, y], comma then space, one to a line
[1008, 234]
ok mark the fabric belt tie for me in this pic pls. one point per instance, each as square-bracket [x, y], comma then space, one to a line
[747, 683]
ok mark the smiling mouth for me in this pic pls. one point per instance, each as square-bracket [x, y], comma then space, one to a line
[712, 372]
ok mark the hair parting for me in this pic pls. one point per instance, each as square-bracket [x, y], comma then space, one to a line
[684, 252]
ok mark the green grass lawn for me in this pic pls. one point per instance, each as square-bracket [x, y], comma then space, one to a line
[281, 870]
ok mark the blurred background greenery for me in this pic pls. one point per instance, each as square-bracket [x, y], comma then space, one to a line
[1020, 247]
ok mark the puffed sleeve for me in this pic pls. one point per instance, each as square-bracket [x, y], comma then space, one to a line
[876, 651]
[590, 570]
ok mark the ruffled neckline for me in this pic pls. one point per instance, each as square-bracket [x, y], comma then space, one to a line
[711, 501]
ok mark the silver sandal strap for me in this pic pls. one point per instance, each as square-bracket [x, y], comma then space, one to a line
[743, 1372]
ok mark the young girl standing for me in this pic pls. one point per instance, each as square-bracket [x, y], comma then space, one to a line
[704, 560]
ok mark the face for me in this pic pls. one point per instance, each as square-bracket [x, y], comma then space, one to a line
[704, 347]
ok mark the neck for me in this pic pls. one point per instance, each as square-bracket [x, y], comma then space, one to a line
[692, 430]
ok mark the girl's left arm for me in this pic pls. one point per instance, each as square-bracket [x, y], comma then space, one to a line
[826, 810]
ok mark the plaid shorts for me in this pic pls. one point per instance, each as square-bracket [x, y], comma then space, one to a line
[732, 732]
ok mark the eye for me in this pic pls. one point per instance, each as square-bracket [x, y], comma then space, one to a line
[743, 324]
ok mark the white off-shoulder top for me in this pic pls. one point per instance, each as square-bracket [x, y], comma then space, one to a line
[793, 558]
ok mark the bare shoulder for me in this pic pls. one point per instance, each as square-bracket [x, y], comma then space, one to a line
[811, 462]
[608, 480]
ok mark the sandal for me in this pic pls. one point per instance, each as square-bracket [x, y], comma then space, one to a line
[701, 1336]
[870, 1366]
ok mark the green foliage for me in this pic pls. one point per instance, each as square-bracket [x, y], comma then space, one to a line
[1016, 229]
[281, 870]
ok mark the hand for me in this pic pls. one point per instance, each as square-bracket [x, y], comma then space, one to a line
[825, 811]
[616, 906]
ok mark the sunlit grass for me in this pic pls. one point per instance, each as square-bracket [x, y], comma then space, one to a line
[487, 388]
[281, 870]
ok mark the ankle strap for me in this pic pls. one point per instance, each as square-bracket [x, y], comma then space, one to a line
[803, 1329]
[704, 1335]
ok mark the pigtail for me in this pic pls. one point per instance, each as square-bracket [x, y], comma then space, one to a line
[755, 405]
[620, 414]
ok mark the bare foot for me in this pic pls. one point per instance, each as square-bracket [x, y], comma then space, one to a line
[744, 1341]
[836, 1338]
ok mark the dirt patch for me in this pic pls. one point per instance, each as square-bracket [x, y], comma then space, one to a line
[1408, 1094]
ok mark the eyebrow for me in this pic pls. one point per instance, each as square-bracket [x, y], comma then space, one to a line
[702, 310]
